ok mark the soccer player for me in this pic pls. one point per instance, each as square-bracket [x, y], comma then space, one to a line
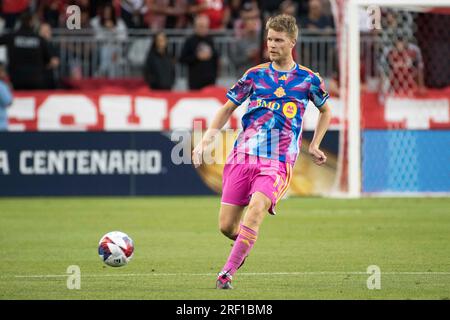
[258, 170]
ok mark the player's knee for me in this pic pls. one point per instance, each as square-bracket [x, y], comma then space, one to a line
[228, 231]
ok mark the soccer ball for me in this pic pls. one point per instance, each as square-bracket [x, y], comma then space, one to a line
[115, 249]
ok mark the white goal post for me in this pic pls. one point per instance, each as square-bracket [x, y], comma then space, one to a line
[354, 177]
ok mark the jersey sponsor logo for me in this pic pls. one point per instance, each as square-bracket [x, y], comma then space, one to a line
[283, 77]
[290, 110]
[280, 92]
[273, 105]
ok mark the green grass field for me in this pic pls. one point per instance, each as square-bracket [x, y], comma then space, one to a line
[313, 249]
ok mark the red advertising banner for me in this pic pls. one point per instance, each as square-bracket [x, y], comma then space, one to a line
[118, 109]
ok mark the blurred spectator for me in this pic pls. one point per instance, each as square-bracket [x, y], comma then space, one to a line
[106, 22]
[200, 55]
[6, 98]
[237, 7]
[85, 21]
[28, 55]
[406, 68]
[111, 33]
[51, 11]
[94, 6]
[435, 47]
[318, 51]
[246, 52]
[77, 60]
[167, 14]
[302, 9]
[217, 11]
[51, 71]
[316, 18]
[269, 7]
[159, 69]
[288, 7]
[132, 12]
[248, 11]
[12, 10]
[401, 63]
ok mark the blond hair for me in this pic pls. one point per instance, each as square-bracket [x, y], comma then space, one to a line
[283, 23]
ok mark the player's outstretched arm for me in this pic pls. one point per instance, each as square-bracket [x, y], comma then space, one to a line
[220, 119]
[323, 122]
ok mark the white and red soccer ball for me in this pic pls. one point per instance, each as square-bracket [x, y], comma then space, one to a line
[115, 249]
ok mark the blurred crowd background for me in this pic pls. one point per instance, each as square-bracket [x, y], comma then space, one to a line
[192, 44]
[169, 44]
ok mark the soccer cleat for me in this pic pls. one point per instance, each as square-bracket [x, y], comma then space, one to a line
[224, 280]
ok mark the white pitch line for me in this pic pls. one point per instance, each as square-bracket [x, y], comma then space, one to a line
[307, 273]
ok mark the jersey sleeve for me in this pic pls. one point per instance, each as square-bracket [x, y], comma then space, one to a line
[241, 90]
[317, 92]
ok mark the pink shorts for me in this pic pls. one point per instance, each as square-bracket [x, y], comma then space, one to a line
[245, 174]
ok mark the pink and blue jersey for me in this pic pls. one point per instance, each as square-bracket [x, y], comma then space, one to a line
[272, 124]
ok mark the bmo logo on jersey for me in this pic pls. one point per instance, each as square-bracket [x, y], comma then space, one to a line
[289, 109]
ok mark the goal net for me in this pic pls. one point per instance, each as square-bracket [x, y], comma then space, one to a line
[394, 76]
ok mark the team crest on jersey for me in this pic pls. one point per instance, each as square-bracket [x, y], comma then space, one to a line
[290, 110]
[280, 92]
